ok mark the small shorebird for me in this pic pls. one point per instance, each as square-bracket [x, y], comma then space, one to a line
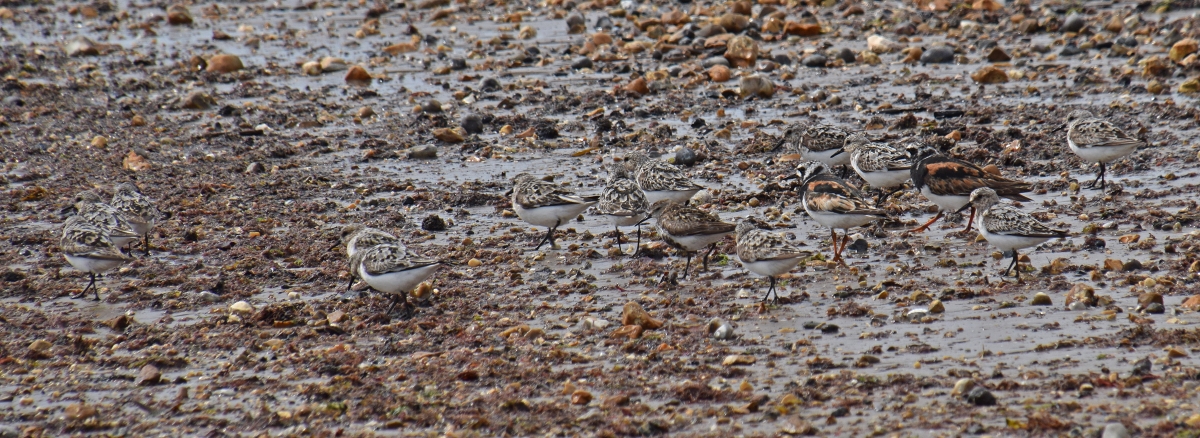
[948, 182]
[392, 269]
[546, 204]
[137, 209]
[87, 248]
[624, 203]
[1097, 141]
[820, 142]
[689, 229]
[1008, 228]
[880, 165]
[765, 253]
[91, 209]
[660, 180]
[834, 203]
[358, 238]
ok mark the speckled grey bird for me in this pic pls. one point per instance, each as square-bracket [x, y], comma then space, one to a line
[880, 165]
[138, 209]
[87, 248]
[357, 237]
[90, 208]
[689, 229]
[765, 253]
[660, 180]
[546, 204]
[392, 269]
[623, 203]
[1098, 141]
[1008, 228]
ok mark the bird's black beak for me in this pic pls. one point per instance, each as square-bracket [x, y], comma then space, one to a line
[963, 208]
[643, 221]
[1059, 128]
[68, 210]
[839, 152]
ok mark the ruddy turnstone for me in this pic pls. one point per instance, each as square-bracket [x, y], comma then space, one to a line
[880, 165]
[137, 209]
[392, 269]
[90, 208]
[1008, 228]
[948, 182]
[834, 203]
[87, 248]
[1097, 141]
[546, 204]
[689, 229]
[624, 203]
[660, 179]
[358, 238]
[765, 253]
[820, 142]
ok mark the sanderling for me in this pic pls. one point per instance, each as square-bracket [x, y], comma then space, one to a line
[689, 229]
[880, 165]
[90, 208]
[948, 182]
[392, 269]
[1008, 228]
[88, 248]
[765, 253]
[137, 209]
[834, 203]
[660, 179]
[358, 238]
[1097, 141]
[624, 203]
[819, 142]
[546, 204]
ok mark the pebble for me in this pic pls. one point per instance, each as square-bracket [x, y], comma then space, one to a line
[311, 68]
[330, 63]
[224, 63]
[82, 47]
[1073, 23]
[846, 55]
[433, 222]
[208, 296]
[582, 63]
[963, 387]
[490, 84]
[241, 307]
[1115, 430]
[756, 85]
[815, 60]
[937, 55]
[1041, 299]
[457, 64]
[1070, 50]
[40, 346]
[715, 60]
[148, 375]
[423, 152]
[178, 15]
[685, 156]
[1128, 41]
[472, 123]
[197, 100]
[783, 59]
[981, 397]
[357, 75]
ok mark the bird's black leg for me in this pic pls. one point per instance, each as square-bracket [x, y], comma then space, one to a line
[687, 265]
[351, 284]
[771, 289]
[147, 243]
[1013, 266]
[92, 284]
[1103, 180]
[889, 194]
[711, 248]
[638, 250]
[617, 231]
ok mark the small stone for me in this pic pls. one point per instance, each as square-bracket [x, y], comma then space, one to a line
[1073, 23]
[137, 120]
[814, 60]
[358, 75]
[330, 63]
[1146, 300]
[423, 152]
[82, 46]
[1192, 303]
[582, 63]
[638, 86]
[149, 375]
[1128, 41]
[1115, 25]
[178, 15]
[224, 63]
[99, 141]
[576, 24]
[963, 387]
[719, 73]
[990, 75]
[433, 223]
[846, 55]
[255, 167]
[472, 123]
[633, 314]
[937, 307]
[197, 100]
[801, 29]
[879, 44]
[474, 263]
[365, 112]
[998, 55]
[40, 346]
[733, 23]
[685, 157]
[581, 397]
[311, 68]
[1041, 299]
[741, 51]
[241, 307]
[1115, 430]
[756, 85]
[79, 412]
[448, 135]
[458, 64]
[432, 106]
[713, 61]
[938, 55]
[981, 397]
[1190, 86]
[601, 38]
[1155, 87]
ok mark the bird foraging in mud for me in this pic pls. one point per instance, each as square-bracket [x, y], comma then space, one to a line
[87, 248]
[819, 142]
[624, 203]
[1097, 141]
[115, 225]
[546, 204]
[138, 209]
[834, 203]
[1008, 228]
[949, 182]
[392, 269]
[880, 165]
[357, 238]
[661, 180]
[765, 253]
[689, 229]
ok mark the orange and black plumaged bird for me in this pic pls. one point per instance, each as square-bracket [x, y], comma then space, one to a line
[948, 182]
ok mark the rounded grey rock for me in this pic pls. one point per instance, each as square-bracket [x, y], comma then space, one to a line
[815, 60]
[685, 157]
[937, 55]
[472, 123]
